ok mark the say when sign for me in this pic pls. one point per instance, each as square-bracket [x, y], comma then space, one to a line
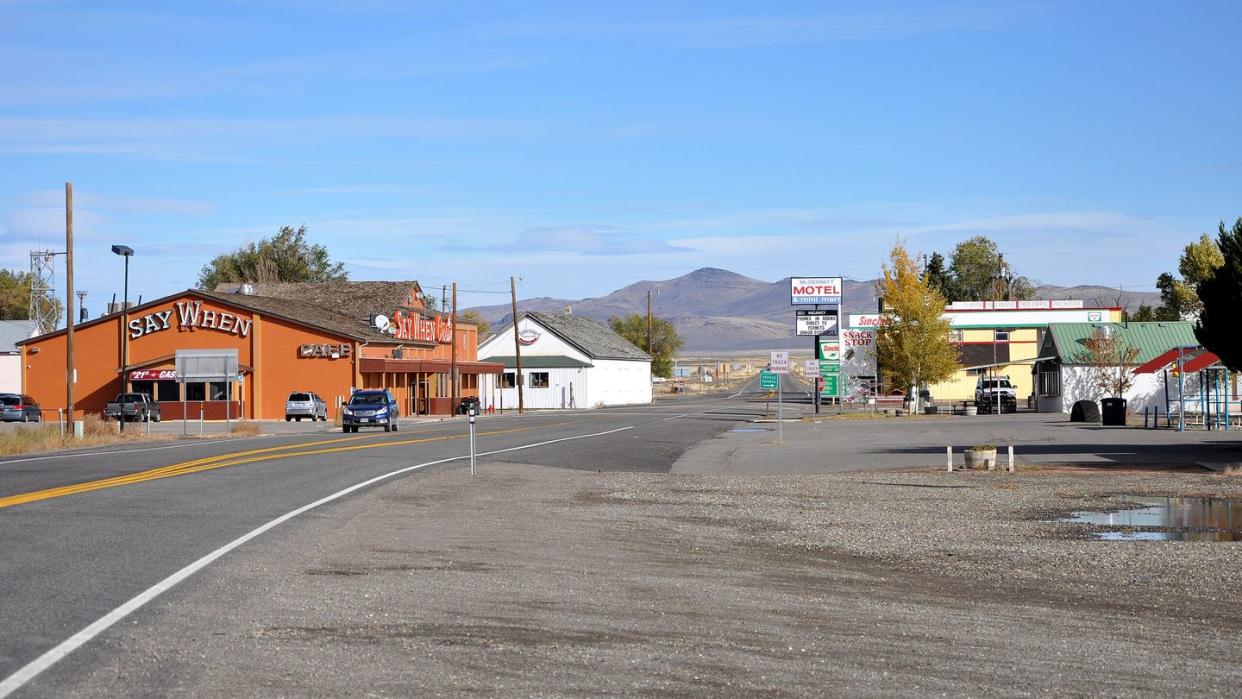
[811, 291]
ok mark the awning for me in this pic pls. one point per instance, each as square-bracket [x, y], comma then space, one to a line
[1166, 358]
[540, 361]
[1033, 360]
[1200, 362]
[382, 365]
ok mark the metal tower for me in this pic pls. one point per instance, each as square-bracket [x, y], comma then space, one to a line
[43, 308]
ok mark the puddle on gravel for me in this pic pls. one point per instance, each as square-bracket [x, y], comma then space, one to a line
[1166, 519]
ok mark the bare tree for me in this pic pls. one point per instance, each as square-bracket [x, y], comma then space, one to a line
[1110, 360]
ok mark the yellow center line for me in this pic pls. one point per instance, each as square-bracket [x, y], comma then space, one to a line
[231, 459]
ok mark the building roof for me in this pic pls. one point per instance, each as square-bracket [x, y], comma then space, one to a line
[593, 339]
[540, 362]
[294, 311]
[306, 313]
[1151, 339]
[14, 331]
[358, 299]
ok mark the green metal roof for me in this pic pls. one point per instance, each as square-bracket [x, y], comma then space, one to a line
[539, 362]
[1151, 339]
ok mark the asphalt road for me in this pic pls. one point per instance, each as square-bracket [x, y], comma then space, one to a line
[84, 532]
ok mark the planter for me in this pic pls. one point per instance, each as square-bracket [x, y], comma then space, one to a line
[981, 459]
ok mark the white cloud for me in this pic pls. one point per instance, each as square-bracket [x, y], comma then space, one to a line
[135, 205]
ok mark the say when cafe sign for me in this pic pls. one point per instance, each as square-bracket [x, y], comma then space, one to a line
[189, 315]
[415, 326]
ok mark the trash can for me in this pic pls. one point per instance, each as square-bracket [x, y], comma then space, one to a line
[1113, 411]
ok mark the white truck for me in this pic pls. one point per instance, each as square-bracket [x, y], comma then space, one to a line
[995, 393]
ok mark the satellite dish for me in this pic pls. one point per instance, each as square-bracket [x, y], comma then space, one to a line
[380, 322]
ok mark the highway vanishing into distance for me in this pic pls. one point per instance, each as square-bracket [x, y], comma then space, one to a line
[90, 536]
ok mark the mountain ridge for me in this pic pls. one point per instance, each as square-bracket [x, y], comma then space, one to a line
[716, 309]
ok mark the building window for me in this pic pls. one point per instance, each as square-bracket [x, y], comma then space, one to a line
[220, 390]
[539, 379]
[955, 336]
[1001, 336]
[196, 391]
[442, 385]
[1049, 384]
[507, 380]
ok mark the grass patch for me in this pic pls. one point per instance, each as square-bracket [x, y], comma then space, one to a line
[47, 437]
[244, 428]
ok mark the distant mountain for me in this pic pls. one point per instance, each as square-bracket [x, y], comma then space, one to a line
[718, 310]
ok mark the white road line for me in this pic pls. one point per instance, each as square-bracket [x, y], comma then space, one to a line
[31, 670]
[674, 417]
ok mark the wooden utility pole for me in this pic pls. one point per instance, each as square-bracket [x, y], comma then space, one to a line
[649, 323]
[517, 346]
[69, 367]
[453, 363]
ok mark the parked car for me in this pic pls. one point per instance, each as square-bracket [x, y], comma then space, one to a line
[15, 407]
[467, 404]
[133, 406]
[370, 408]
[991, 394]
[302, 404]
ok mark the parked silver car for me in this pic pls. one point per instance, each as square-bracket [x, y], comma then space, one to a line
[305, 404]
[15, 407]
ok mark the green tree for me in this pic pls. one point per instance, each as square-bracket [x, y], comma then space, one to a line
[913, 345]
[15, 290]
[940, 278]
[1221, 297]
[285, 257]
[1144, 314]
[472, 316]
[1178, 297]
[664, 339]
[981, 273]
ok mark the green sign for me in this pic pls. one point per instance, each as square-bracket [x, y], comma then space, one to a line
[826, 368]
[768, 381]
[832, 386]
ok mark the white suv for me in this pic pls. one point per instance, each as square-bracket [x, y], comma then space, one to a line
[993, 393]
[305, 404]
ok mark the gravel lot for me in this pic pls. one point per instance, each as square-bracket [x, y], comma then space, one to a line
[535, 581]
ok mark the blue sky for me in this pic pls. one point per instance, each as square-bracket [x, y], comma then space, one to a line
[585, 146]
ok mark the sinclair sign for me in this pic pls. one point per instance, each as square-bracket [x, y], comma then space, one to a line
[813, 291]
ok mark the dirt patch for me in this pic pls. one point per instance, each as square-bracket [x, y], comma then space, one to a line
[533, 581]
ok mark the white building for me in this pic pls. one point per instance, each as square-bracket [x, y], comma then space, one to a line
[568, 361]
[12, 332]
[1064, 376]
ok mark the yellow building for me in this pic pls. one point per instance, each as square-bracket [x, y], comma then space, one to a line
[1003, 338]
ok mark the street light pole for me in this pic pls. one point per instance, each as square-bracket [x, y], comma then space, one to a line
[126, 252]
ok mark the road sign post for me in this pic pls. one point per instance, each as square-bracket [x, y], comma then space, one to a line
[472, 441]
[778, 364]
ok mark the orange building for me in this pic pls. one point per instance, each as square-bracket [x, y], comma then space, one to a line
[322, 338]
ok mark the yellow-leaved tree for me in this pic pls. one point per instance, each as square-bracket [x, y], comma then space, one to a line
[912, 346]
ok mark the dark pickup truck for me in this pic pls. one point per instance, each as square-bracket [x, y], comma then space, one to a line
[133, 407]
